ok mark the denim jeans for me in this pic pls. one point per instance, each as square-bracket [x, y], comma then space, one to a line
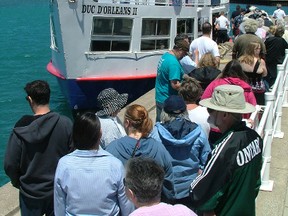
[159, 107]
[36, 207]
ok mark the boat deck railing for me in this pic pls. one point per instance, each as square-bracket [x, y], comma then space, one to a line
[267, 119]
[189, 3]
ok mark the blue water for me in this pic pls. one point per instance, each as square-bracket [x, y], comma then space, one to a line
[25, 52]
[268, 9]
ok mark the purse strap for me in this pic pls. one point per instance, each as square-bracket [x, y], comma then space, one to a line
[256, 66]
[137, 145]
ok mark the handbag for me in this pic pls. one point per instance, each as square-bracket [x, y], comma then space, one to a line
[257, 84]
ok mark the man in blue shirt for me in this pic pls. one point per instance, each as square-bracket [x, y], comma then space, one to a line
[169, 74]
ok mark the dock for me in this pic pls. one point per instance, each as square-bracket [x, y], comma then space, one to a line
[273, 203]
[268, 203]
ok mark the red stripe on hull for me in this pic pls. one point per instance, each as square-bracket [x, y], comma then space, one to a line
[147, 76]
[54, 71]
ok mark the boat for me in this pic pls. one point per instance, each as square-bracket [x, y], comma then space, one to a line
[97, 44]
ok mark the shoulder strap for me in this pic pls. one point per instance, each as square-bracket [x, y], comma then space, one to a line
[137, 145]
[256, 66]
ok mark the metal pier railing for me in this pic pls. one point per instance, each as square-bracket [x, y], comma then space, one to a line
[268, 118]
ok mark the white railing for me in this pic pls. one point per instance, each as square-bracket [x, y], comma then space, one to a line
[195, 3]
[269, 125]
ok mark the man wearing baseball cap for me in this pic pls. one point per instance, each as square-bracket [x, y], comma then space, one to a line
[231, 178]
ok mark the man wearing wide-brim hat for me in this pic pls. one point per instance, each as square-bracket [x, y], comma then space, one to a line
[231, 178]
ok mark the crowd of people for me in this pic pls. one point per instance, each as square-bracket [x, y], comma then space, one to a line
[198, 157]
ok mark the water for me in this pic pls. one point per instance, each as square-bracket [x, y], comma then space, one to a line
[268, 9]
[25, 52]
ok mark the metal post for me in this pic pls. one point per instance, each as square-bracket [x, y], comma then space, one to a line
[266, 183]
[279, 100]
[285, 93]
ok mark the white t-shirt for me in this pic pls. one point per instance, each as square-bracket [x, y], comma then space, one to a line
[223, 22]
[187, 64]
[200, 115]
[204, 45]
[279, 14]
[112, 129]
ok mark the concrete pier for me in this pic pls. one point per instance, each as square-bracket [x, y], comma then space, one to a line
[273, 203]
[9, 197]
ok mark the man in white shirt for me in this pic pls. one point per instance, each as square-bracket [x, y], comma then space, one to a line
[205, 44]
[279, 13]
[223, 23]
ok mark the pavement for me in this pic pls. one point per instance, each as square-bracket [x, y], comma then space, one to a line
[273, 203]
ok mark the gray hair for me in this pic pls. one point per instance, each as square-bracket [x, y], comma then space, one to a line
[145, 178]
[260, 22]
[166, 117]
[250, 25]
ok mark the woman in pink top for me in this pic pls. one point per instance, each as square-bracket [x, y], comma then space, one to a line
[234, 75]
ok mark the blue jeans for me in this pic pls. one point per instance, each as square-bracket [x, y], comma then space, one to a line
[36, 207]
[159, 107]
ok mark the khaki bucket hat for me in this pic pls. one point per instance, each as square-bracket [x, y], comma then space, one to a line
[228, 98]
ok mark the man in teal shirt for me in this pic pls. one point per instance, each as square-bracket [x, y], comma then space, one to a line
[169, 74]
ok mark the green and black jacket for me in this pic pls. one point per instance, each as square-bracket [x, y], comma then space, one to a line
[231, 178]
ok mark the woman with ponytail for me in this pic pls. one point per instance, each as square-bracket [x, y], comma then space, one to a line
[138, 142]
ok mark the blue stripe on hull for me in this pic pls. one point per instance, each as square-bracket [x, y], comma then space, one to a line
[83, 94]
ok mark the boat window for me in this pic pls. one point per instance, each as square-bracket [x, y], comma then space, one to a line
[186, 26]
[155, 34]
[202, 20]
[111, 34]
